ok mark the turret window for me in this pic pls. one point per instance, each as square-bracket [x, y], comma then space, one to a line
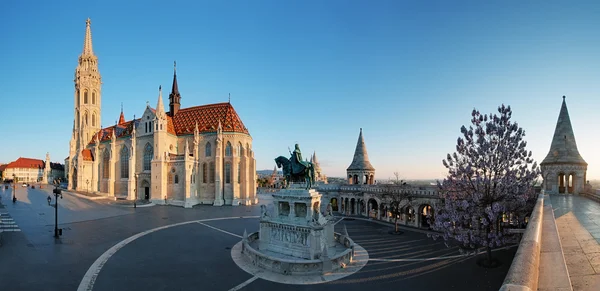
[228, 150]
[124, 163]
[227, 172]
[148, 153]
[212, 172]
[106, 164]
[85, 97]
[240, 150]
[207, 150]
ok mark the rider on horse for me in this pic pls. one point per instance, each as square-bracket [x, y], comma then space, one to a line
[298, 165]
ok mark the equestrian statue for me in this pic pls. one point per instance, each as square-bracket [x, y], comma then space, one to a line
[295, 169]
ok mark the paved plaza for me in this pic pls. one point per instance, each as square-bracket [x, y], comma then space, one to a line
[112, 247]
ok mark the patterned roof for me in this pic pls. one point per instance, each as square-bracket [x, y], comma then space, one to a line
[184, 122]
[208, 117]
[87, 155]
[26, 163]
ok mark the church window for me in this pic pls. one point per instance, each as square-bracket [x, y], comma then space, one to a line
[146, 126]
[228, 150]
[85, 119]
[176, 179]
[212, 172]
[239, 172]
[207, 150]
[105, 164]
[227, 172]
[94, 97]
[170, 178]
[77, 97]
[240, 150]
[85, 97]
[124, 163]
[148, 153]
[204, 173]
[93, 119]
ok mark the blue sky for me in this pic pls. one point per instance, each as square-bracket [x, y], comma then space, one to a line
[313, 72]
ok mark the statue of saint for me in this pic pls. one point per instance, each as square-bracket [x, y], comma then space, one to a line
[329, 210]
[297, 157]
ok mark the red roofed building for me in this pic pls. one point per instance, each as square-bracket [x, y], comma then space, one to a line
[32, 170]
[184, 156]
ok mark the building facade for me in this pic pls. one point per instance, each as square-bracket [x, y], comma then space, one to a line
[29, 170]
[184, 156]
[563, 169]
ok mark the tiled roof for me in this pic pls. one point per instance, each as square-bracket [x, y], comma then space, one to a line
[87, 155]
[184, 122]
[26, 163]
[2, 167]
[208, 117]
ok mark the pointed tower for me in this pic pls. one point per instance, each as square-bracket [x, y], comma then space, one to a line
[563, 169]
[122, 116]
[159, 185]
[360, 170]
[174, 97]
[87, 103]
[318, 173]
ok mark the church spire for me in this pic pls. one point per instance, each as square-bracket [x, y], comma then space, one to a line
[160, 108]
[87, 43]
[174, 97]
[361, 158]
[122, 116]
[563, 148]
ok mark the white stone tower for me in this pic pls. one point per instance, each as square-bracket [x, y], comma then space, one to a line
[87, 104]
[360, 170]
[563, 169]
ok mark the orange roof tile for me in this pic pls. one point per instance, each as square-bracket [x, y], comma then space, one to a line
[26, 163]
[208, 117]
[87, 155]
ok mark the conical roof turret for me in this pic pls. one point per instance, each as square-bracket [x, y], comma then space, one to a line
[563, 149]
[361, 158]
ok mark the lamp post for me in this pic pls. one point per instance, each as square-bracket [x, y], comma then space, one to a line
[88, 185]
[14, 199]
[135, 191]
[57, 192]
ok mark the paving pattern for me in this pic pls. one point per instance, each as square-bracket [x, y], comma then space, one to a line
[578, 222]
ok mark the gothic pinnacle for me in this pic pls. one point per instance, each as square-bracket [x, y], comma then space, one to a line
[87, 43]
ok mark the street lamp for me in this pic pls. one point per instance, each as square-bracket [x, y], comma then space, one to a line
[57, 192]
[135, 191]
[14, 188]
[88, 185]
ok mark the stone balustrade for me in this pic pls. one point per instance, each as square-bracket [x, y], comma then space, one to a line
[381, 189]
[524, 270]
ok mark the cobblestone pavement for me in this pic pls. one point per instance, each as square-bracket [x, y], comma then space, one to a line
[578, 222]
[191, 255]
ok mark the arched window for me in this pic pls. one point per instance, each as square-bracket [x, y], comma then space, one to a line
[176, 179]
[106, 164]
[204, 173]
[124, 163]
[239, 171]
[211, 172]
[228, 149]
[240, 150]
[85, 97]
[148, 153]
[93, 119]
[228, 172]
[170, 178]
[207, 150]
[94, 97]
[77, 98]
[85, 119]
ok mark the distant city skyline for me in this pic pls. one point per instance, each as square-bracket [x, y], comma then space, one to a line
[313, 73]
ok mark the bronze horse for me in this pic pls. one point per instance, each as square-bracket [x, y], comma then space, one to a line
[308, 174]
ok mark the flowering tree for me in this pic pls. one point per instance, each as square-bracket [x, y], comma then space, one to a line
[490, 175]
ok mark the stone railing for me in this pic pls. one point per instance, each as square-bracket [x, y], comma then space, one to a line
[299, 266]
[387, 189]
[524, 270]
[593, 194]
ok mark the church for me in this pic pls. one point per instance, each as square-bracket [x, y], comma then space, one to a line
[183, 156]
